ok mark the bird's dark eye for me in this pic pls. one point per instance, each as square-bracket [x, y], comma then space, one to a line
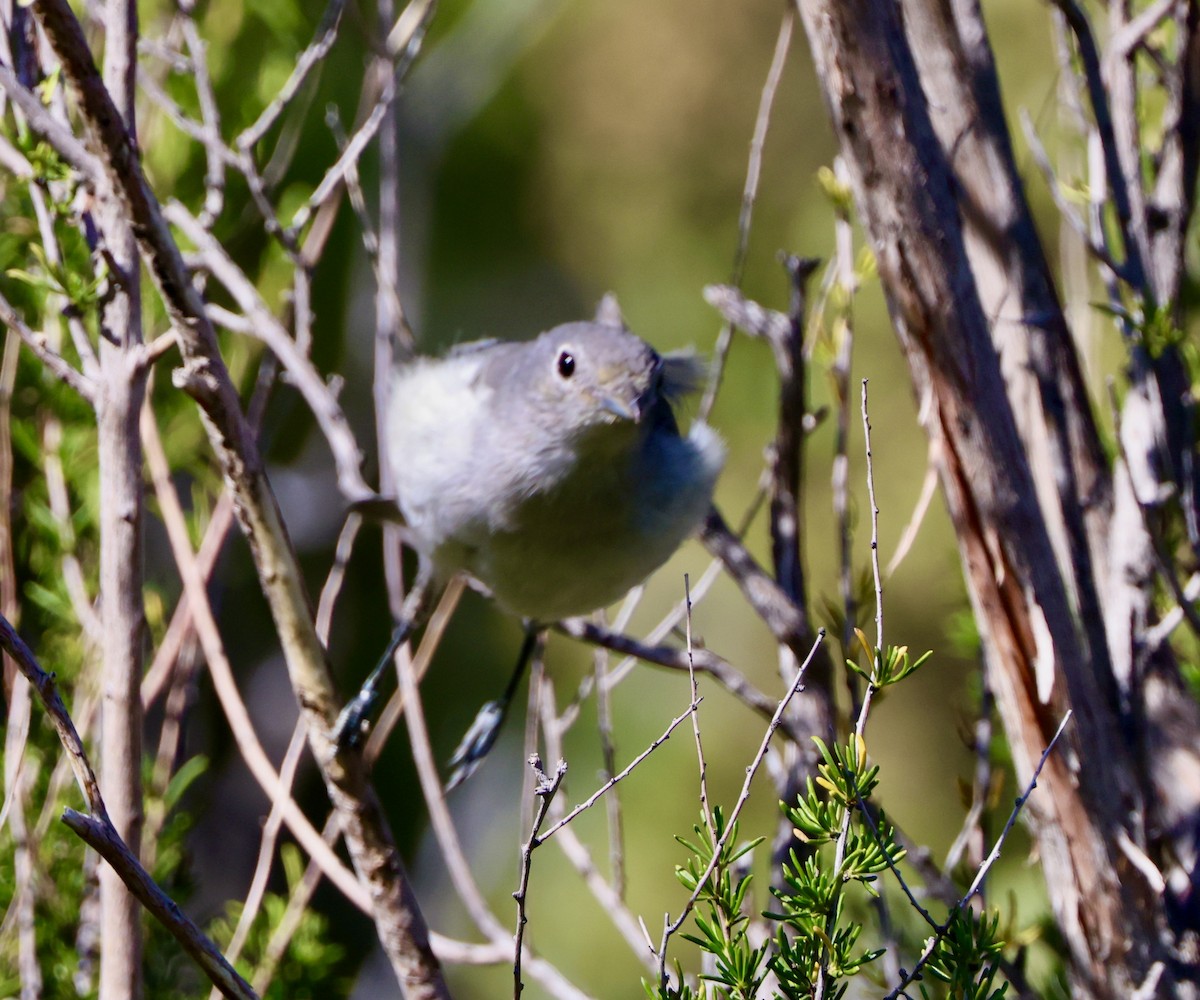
[566, 364]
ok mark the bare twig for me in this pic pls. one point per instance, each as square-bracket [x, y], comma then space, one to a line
[37, 343]
[18, 778]
[1159, 634]
[267, 844]
[842, 336]
[1077, 20]
[595, 797]
[9, 357]
[404, 43]
[60, 506]
[337, 575]
[875, 573]
[180, 629]
[312, 57]
[786, 620]
[608, 751]
[439, 814]
[695, 713]
[580, 857]
[545, 791]
[702, 660]
[1066, 209]
[908, 536]
[221, 671]
[749, 195]
[451, 847]
[822, 982]
[1134, 32]
[317, 394]
[973, 834]
[981, 874]
[100, 835]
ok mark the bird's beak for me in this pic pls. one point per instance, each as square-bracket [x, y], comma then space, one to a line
[622, 409]
[627, 397]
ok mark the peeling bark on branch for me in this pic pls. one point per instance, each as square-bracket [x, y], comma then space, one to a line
[990, 357]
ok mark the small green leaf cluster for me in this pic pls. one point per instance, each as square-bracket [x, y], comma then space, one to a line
[311, 966]
[966, 959]
[815, 933]
[888, 666]
[739, 968]
[64, 876]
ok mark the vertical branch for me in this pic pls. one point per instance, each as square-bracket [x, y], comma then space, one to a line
[826, 978]
[8, 572]
[545, 790]
[843, 346]
[119, 401]
[749, 196]
[16, 784]
[608, 751]
[390, 324]
[787, 463]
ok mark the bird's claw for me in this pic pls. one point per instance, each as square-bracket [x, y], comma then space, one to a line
[477, 743]
[352, 723]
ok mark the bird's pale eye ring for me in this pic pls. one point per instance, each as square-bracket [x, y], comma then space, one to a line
[565, 364]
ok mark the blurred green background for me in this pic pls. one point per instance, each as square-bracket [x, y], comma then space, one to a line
[552, 151]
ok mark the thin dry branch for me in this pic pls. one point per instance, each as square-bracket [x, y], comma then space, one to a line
[308, 60]
[703, 660]
[762, 123]
[1077, 20]
[41, 348]
[220, 670]
[545, 789]
[624, 773]
[403, 44]
[580, 858]
[451, 846]
[99, 835]
[301, 371]
[786, 621]
[993, 856]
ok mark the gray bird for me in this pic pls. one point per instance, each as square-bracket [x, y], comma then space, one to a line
[551, 473]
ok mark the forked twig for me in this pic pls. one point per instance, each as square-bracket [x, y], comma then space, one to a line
[545, 790]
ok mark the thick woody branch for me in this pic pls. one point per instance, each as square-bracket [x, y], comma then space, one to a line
[905, 185]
